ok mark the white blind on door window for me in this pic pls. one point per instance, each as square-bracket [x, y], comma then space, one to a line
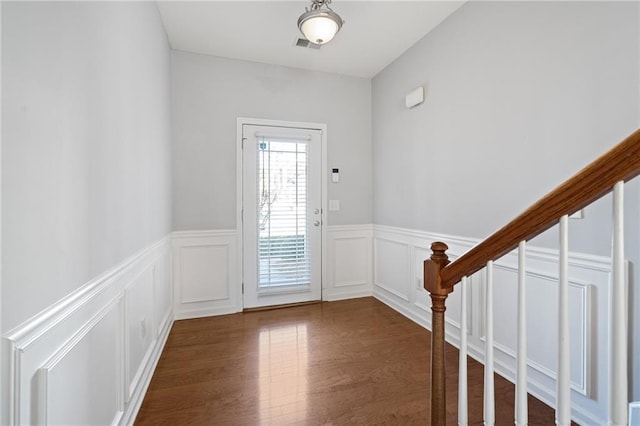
[283, 252]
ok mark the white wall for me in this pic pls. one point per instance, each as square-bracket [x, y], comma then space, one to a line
[209, 93]
[85, 165]
[519, 96]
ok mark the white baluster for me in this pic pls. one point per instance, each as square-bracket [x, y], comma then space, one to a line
[462, 370]
[489, 397]
[618, 397]
[563, 389]
[522, 412]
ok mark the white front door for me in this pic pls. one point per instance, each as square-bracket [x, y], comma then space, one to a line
[282, 215]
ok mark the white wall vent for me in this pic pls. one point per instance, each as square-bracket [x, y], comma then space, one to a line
[303, 42]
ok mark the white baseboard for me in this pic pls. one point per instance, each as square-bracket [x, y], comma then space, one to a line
[88, 359]
[332, 296]
[204, 312]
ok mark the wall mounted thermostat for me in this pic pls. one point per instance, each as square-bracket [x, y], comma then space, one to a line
[335, 175]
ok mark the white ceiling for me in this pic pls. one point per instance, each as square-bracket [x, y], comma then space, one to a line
[374, 34]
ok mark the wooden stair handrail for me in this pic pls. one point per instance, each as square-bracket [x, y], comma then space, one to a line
[621, 163]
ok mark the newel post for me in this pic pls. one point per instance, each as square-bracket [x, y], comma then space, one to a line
[433, 284]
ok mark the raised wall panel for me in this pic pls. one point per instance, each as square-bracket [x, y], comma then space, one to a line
[205, 273]
[140, 325]
[78, 385]
[391, 271]
[162, 292]
[351, 256]
[348, 262]
[542, 308]
[452, 317]
[421, 298]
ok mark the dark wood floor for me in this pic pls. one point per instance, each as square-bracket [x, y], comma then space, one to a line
[353, 362]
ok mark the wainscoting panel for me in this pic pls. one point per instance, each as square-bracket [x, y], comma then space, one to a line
[139, 327]
[409, 296]
[542, 292]
[421, 299]
[392, 275]
[89, 358]
[399, 253]
[349, 262]
[78, 385]
[205, 273]
[162, 292]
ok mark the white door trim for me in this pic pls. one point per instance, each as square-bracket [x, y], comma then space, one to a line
[240, 121]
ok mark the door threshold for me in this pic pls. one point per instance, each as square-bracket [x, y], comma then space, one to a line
[285, 305]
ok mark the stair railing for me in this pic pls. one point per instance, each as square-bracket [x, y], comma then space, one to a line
[607, 173]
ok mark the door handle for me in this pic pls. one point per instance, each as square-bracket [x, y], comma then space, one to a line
[316, 223]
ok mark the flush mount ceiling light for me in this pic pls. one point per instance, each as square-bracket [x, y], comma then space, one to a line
[319, 24]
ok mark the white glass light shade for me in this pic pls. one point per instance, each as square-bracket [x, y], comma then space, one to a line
[319, 27]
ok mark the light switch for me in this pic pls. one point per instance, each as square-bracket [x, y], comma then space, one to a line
[334, 205]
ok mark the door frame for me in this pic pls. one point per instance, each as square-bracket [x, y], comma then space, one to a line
[241, 121]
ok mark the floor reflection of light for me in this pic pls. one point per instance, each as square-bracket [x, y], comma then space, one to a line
[283, 364]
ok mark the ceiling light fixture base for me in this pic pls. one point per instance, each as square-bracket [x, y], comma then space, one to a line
[319, 24]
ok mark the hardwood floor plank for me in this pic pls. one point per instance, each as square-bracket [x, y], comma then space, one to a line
[352, 362]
